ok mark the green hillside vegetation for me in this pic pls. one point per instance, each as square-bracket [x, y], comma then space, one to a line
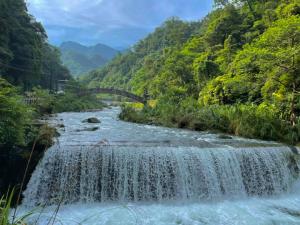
[26, 59]
[80, 59]
[236, 71]
[29, 65]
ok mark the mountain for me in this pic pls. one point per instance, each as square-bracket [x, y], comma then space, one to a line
[81, 59]
[235, 71]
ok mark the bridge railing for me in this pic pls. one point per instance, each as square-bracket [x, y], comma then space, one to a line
[30, 100]
[113, 91]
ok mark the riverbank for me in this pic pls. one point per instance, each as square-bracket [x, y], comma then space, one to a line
[247, 121]
[24, 130]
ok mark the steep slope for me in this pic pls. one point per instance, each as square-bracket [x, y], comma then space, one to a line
[81, 59]
[171, 35]
[236, 71]
[26, 58]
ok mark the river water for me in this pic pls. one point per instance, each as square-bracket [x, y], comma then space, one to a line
[125, 173]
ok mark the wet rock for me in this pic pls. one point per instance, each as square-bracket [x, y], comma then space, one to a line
[13, 163]
[294, 150]
[222, 136]
[92, 129]
[88, 129]
[57, 134]
[60, 125]
[91, 120]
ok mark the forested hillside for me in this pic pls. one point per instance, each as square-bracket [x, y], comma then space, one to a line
[29, 64]
[26, 58]
[80, 59]
[171, 35]
[236, 71]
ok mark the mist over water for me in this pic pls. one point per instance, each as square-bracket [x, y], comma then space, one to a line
[135, 174]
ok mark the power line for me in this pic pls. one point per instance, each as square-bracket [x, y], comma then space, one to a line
[23, 70]
[32, 59]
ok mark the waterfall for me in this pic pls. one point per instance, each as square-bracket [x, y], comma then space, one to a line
[71, 174]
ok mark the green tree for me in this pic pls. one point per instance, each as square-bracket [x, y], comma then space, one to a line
[278, 51]
[14, 116]
[26, 59]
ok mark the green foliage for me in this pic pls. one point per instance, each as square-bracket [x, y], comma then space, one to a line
[5, 205]
[70, 101]
[242, 56]
[5, 211]
[268, 68]
[44, 101]
[53, 70]
[26, 59]
[118, 73]
[130, 114]
[249, 121]
[45, 136]
[15, 116]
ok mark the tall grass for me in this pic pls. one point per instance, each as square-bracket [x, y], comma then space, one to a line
[5, 211]
[251, 121]
[248, 121]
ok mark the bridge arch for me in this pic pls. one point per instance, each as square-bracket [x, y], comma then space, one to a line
[114, 91]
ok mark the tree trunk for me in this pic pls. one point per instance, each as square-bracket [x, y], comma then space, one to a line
[293, 114]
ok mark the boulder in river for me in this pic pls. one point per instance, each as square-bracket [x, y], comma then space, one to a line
[60, 125]
[91, 120]
[88, 129]
[223, 136]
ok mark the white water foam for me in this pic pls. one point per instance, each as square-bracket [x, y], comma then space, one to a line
[130, 174]
[161, 176]
[280, 211]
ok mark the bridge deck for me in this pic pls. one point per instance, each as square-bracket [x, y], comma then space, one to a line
[115, 92]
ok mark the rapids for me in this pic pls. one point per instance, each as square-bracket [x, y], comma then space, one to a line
[127, 173]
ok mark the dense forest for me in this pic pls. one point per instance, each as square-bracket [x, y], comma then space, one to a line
[236, 71]
[26, 58]
[29, 64]
[29, 67]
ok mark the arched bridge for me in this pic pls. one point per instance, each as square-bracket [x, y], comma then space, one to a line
[114, 92]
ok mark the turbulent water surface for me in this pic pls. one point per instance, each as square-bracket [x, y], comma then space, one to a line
[125, 173]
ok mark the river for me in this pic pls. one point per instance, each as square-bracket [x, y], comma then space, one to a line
[125, 173]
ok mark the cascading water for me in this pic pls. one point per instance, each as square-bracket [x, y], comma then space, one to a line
[106, 173]
[157, 168]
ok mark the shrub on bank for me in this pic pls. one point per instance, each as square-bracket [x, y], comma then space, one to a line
[248, 121]
[251, 121]
[131, 114]
[69, 101]
[15, 116]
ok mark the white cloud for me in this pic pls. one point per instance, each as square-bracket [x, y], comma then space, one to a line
[104, 17]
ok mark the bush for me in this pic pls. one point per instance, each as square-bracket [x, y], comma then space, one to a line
[68, 102]
[45, 101]
[247, 120]
[131, 114]
[15, 116]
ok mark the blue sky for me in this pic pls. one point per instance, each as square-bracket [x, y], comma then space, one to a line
[118, 23]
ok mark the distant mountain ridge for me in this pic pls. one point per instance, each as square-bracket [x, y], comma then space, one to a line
[81, 59]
